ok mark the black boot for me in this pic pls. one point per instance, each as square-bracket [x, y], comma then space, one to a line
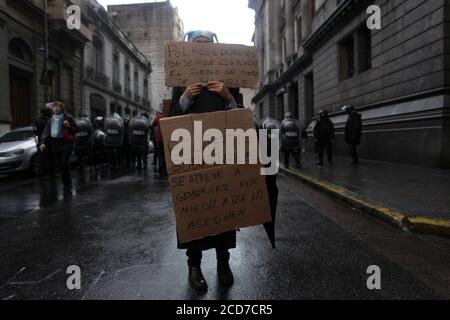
[196, 279]
[226, 278]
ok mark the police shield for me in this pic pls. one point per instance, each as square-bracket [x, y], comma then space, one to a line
[290, 134]
[84, 134]
[114, 131]
[139, 128]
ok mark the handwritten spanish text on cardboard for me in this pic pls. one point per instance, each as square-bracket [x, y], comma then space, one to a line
[213, 199]
[191, 62]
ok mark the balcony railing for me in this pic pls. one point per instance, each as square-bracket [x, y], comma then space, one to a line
[117, 87]
[97, 77]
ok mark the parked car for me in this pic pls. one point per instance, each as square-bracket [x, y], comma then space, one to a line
[18, 151]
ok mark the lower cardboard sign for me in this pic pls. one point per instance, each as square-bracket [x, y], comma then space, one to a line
[216, 200]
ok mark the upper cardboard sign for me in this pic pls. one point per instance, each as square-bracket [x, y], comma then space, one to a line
[192, 62]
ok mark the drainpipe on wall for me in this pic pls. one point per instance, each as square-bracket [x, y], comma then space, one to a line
[45, 78]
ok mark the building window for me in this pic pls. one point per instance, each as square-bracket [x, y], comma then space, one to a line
[98, 59]
[347, 58]
[116, 67]
[357, 59]
[67, 88]
[283, 49]
[146, 89]
[136, 82]
[261, 110]
[298, 32]
[364, 49]
[127, 79]
[312, 5]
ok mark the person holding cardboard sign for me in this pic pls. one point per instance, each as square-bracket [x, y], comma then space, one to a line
[200, 98]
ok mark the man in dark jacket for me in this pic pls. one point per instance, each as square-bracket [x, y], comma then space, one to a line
[353, 131]
[324, 136]
[199, 99]
[60, 133]
[45, 159]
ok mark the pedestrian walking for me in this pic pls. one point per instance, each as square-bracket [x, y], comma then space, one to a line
[324, 136]
[59, 133]
[353, 131]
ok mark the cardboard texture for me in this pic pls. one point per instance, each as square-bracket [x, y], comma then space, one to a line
[212, 199]
[188, 63]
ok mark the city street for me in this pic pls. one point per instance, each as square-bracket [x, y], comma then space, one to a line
[120, 230]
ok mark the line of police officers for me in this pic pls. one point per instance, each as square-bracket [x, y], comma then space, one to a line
[112, 141]
[294, 137]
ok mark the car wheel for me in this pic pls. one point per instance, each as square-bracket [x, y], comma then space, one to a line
[35, 168]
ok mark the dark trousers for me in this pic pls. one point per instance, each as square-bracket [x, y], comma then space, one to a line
[62, 150]
[82, 157]
[97, 157]
[114, 157]
[329, 149]
[141, 154]
[155, 153]
[161, 159]
[195, 257]
[354, 153]
[46, 163]
[287, 154]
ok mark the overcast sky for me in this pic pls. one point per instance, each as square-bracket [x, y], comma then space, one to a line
[232, 20]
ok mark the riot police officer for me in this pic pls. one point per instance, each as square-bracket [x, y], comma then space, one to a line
[353, 131]
[114, 140]
[324, 136]
[84, 139]
[126, 148]
[139, 129]
[290, 139]
[98, 154]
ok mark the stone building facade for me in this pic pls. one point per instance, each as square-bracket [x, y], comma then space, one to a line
[149, 26]
[319, 54]
[22, 91]
[116, 75]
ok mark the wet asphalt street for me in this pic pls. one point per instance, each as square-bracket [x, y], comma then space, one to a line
[120, 230]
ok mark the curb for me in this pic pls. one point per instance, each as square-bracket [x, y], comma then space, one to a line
[391, 215]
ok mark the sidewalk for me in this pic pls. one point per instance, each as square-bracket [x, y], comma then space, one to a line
[417, 198]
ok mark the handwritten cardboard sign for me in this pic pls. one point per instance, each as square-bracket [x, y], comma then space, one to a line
[191, 62]
[212, 199]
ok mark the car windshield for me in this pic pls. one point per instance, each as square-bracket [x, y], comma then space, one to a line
[17, 136]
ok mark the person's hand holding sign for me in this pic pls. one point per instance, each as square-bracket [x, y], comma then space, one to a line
[192, 91]
[221, 89]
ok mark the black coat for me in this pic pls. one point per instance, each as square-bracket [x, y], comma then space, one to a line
[324, 131]
[73, 128]
[206, 101]
[39, 126]
[353, 129]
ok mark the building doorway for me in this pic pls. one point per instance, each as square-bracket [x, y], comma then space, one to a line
[20, 95]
